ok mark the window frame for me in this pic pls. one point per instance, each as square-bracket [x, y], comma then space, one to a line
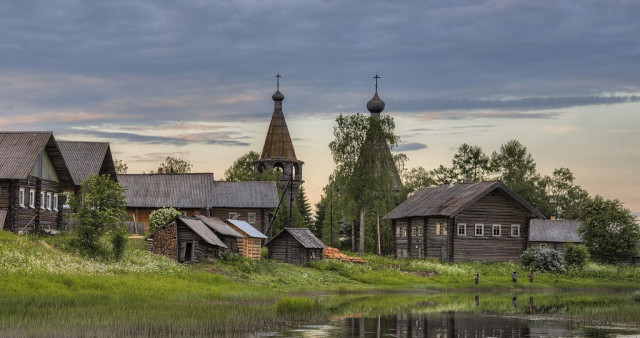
[251, 217]
[42, 201]
[420, 231]
[438, 229]
[49, 201]
[543, 245]
[404, 231]
[517, 228]
[493, 230]
[56, 199]
[414, 231]
[233, 215]
[21, 195]
[463, 227]
[32, 198]
[479, 226]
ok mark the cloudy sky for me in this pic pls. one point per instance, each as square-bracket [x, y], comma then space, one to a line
[194, 79]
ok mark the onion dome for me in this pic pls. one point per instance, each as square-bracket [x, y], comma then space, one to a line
[277, 96]
[375, 105]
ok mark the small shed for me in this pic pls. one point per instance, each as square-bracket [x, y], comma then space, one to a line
[296, 246]
[223, 230]
[554, 234]
[251, 243]
[185, 240]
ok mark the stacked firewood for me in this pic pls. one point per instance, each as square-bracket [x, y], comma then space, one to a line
[333, 253]
[164, 242]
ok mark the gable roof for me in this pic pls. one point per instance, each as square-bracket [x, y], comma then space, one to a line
[87, 158]
[450, 200]
[247, 228]
[303, 236]
[168, 190]
[561, 231]
[202, 230]
[219, 226]
[19, 152]
[245, 194]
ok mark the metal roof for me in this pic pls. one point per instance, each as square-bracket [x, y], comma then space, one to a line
[561, 231]
[202, 230]
[20, 150]
[168, 190]
[245, 194]
[450, 200]
[219, 226]
[247, 228]
[303, 236]
[277, 143]
[87, 158]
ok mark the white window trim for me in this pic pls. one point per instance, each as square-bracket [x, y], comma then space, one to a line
[515, 226]
[55, 202]
[49, 201]
[42, 203]
[414, 231]
[475, 230]
[462, 226]
[21, 196]
[420, 231]
[32, 198]
[404, 231]
[493, 227]
[438, 229]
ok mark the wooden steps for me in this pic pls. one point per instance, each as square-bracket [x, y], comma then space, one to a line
[333, 253]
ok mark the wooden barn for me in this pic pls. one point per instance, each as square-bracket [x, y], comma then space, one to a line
[186, 240]
[33, 177]
[554, 234]
[224, 231]
[295, 246]
[250, 245]
[190, 193]
[249, 201]
[482, 221]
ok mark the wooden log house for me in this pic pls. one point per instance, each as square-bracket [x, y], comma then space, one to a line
[250, 245]
[482, 221]
[554, 234]
[223, 230]
[33, 177]
[295, 246]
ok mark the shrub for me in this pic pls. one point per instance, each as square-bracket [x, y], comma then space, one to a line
[543, 260]
[118, 240]
[160, 217]
[576, 256]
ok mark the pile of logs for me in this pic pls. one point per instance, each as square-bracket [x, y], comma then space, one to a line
[333, 253]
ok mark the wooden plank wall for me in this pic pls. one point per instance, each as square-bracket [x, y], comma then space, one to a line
[436, 243]
[402, 242]
[141, 215]
[492, 209]
[39, 218]
[261, 221]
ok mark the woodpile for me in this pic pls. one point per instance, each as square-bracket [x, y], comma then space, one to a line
[333, 253]
[164, 241]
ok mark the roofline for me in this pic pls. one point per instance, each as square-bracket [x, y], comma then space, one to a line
[503, 187]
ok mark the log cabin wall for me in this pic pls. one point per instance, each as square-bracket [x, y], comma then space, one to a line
[493, 209]
[549, 245]
[436, 237]
[285, 248]
[231, 243]
[40, 216]
[416, 234]
[141, 215]
[401, 238]
[261, 216]
[164, 241]
[199, 249]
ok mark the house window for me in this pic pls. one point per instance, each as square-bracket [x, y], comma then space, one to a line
[398, 231]
[496, 229]
[414, 231]
[32, 198]
[444, 230]
[49, 201]
[462, 229]
[42, 200]
[515, 230]
[21, 197]
[404, 231]
[543, 245]
[233, 215]
[55, 202]
[420, 231]
[479, 229]
[251, 218]
[438, 229]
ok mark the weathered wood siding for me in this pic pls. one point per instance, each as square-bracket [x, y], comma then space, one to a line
[549, 245]
[27, 218]
[436, 246]
[231, 243]
[286, 249]
[401, 236]
[491, 209]
[261, 221]
[200, 249]
[141, 215]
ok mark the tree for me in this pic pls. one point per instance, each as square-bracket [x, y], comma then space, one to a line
[161, 216]
[416, 179]
[101, 212]
[120, 166]
[243, 170]
[608, 229]
[564, 196]
[304, 208]
[174, 165]
[443, 175]
[472, 162]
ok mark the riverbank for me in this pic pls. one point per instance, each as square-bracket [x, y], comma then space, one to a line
[44, 286]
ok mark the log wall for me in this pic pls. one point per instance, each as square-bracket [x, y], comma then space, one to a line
[260, 223]
[26, 218]
[285, 248]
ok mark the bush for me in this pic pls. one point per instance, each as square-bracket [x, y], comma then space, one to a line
[576, 256]
[542, 260]
[160, 217]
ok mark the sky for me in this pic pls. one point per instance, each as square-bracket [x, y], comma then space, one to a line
[194, 79]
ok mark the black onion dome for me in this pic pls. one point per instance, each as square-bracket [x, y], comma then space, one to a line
[375, 105]
[277, 96]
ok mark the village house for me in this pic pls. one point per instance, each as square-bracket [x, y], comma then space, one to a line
[249, 201]
[250, 245]
[483, 221]
[186, 239]
[87, 158]
[554, 234]
[295, 246]
[33, 177]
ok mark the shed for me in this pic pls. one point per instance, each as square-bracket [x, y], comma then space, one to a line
[185, 240]
[224, 231]
[480, 221]
[251, 243]
[554, 234]
[296, 246]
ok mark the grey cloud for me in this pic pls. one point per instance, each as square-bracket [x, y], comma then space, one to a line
[177, 141]
[410, 147]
